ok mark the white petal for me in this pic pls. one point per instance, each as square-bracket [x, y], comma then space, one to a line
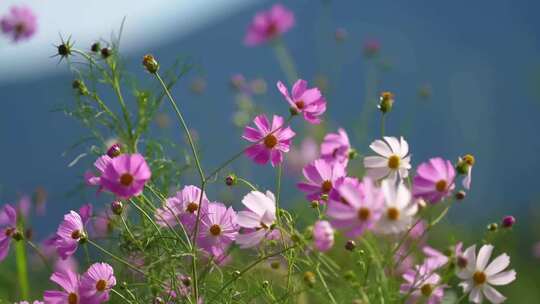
[483, 257]
[258, 202]
[498, 264]
[394, 145]
[381, 148]
[470, 256]
[375, 162]
[467, 286]
[502, 278]
[377, 173]
[248, 219]
[476, 295]
[493, 295]
[403, 196]
[404, 147]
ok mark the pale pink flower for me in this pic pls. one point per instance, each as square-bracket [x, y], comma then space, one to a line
[267, 25]
[218, 229]
[323, 235]
[422, 285]
[182, 207]
[434, 180]
[20, 23]
[336, 147]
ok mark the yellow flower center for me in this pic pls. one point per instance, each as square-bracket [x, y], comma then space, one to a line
[192, 207]
[101, 285]
[73, 298]
[392, 213]
[326, 186]
[215, 230]
[441, 185]
[364, 214]
[426, 290]
[270, 141]
[393, 162]
[479, 278]
[126, 179]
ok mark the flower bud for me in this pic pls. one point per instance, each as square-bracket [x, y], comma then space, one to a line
[150, 63]
[314, 204]
[309, 278]
[386, 102]
[493, 227]
[114, 150]
[350, 245]
[275, 265]
[460, 195]
[324, 197]
[508, 221]
[293, 111]
[231, 179]
[106, 52]
[64, 49]
[236, 273]
[117, 207]
[353, 154]
[17, 235]
[265, 284]
[95, 47]
[158, 300]
[349, 275]
[186, 280]
[80, 87]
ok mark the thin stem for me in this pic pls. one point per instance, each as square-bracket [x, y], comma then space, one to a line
[184, 125]
[247, 183]
[285, 60]
[120, 295]
[382, 124]
[328, 293]
[278, 191]
[40, 254]
[145, 214]
[194, 273]
[135, 268]
[22, 269]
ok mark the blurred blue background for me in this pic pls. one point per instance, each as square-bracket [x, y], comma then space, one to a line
[480, 61]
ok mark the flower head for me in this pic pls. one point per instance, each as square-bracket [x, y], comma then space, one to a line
[336, 147]
[100, 164]
[182, 207]
[393, 159]
[8, 227]
[20, 23]
[323, 235]
[321, 177]
[271, 140]
[434, 259]
[70, 232]
[126, 175]
[423, 285]
[258, 220]
[267, 25]
[478, 277]
[308, 101]
[97, 282]
[218, 229]
[359, 208]
[69, 281]
[398, 210]
[434, 180]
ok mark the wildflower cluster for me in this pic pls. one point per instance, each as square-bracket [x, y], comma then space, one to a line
[363, 241]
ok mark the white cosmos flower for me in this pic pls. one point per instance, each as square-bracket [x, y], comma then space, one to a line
[393, 159]
[398, 211]
[478, 278]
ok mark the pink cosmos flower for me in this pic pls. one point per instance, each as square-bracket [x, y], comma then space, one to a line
[69, 281]
[97, 282]
[271, 141]
[323, 235]
[359, 209]
[102, 224]
[258, 220]
[267, 25]
[101, 164]
[126, 175]
[20, 23]
[8, 229]
[423, 285]
[434, 259]
[308, 101]
[69, 234]
[299, 157]
[336, 147]
[321, 177]
[434, 180]
[219, 228]
[184, 206]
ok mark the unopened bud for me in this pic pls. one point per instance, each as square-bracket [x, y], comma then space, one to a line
[508, 221]
[150, 63]
[80, 87]
[314, 204]
[95, 47]
[106, 52]
[236, 273]
[17, 235]
[386, 102]
[114, 150]
[117, 207]
[265, 284]
[493, 227]
[460, 195]
[353, 154]
[309, 278]
[231, 179]
[350, 245]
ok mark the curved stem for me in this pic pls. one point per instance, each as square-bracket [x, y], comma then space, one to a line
[116, 257]
[40, 254]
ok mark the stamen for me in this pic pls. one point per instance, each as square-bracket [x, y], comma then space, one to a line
[270, 141]
[393, 162]
[73, 298]
[76, 234]
[479, 278]
[426, 290]
[192, 207]
[364, 214]
[392, 213]
[215, 230]
[101, 285]
[126, 179]
[326, 186]
[441, 185]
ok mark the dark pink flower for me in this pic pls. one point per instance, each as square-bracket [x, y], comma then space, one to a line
[434, 180]
[126, 175]
[182, 207]
[271, 140]
[8, 229]
[308, 101]
[69, 234]
[336, 147]
[359, 209]
[97, 282]
[321, 177]
[20, 23]
[267, 25]
[323, 235]
[218, 229]
[69, 281]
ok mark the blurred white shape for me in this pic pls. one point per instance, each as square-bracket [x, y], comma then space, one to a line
[148, 23]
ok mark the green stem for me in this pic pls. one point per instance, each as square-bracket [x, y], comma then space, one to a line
[323, 281]
[278, 191]
[247, 183]
[120, 295]
[112, 255]
[40, 254]
[184, 126]
[145, 214]
[285, 60]
[22, 269]
[382, 124]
